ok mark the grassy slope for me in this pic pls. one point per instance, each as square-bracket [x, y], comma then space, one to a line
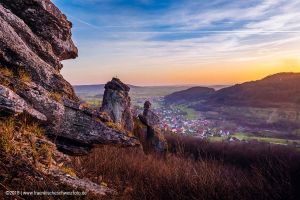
[195, 169]
[189, 112]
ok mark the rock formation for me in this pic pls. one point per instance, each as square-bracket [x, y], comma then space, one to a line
[11, 103]
[148, 130]
[37, 104]
[34, 38]
[116, 103]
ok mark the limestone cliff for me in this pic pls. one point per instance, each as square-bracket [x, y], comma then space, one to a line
[34, 38]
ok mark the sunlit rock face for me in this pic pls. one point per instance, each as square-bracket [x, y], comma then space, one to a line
[116, 103]
[34, 38]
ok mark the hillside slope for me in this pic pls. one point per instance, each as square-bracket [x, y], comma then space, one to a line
[40, 114]
[279, 90]
[272, 103]
[276, 90]
[191, 94]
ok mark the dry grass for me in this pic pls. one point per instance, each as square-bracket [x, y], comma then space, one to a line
[16, 173]
[68, 171]
[19, 136]
[55, 96]
[118, 127]
[24, 76]
[182, 175]
[86, 105]
[7, 128]
[114, 126]
[6, 71]
[22, 167]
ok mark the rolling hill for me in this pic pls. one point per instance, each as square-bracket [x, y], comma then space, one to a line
[279, 90]
[273, 91]
[272, 103]
[191, 94]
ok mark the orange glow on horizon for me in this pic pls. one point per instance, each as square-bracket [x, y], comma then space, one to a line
[226, 73]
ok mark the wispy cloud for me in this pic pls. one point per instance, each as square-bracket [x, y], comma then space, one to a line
[149, 32]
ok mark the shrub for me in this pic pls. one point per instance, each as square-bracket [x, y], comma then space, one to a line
[211, 171]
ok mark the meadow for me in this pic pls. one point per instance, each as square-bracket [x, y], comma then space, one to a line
[254, 137]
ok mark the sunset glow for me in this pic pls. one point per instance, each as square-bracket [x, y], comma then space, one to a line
[148, 42]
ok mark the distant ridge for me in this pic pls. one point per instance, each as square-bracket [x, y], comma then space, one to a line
[191, 94]
[88, 88]
[272, 91]
[94, 88]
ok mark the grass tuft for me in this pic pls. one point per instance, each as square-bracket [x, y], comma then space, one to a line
[55, 96]
[24, 76]
[68, 171]
[7, 128]
[6, 71]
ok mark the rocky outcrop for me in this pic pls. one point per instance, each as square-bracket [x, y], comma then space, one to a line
[34, 38]
[148, 130]
[116, 103]
[149, 118]
[38, 159]
[11, 103]
[87, 131]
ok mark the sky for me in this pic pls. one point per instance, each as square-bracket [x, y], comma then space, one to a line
[176, 42]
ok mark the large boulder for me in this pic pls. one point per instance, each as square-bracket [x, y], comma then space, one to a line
[34, 38]
[116, 103]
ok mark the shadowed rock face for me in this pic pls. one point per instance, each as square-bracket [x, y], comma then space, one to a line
[116, 103]
[34, 38]
[11, 103]
[149, 131]
[50, 35]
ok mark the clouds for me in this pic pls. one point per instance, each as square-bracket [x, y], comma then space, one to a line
[152, 32]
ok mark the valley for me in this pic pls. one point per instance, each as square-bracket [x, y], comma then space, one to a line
[192, 118]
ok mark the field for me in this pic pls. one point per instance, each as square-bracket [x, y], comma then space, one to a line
[238, 117]
[252, 137]
[93, 94]
[189, 113]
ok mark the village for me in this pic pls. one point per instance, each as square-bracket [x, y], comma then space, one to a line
[175, 120]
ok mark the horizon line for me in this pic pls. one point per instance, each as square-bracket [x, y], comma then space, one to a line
[180, 85]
